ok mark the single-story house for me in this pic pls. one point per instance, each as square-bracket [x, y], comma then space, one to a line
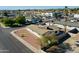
[47, 14]
[76, 15]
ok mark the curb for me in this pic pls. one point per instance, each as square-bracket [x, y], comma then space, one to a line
[27, 44]
[2, 25]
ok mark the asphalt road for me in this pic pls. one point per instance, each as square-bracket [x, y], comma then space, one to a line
[72, 24]
[9, 44]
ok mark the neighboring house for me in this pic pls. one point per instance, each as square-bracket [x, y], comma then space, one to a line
[11, 15]
[47, 14]
[34, 21]
[1, 16]
[58, 14]
[76, 15]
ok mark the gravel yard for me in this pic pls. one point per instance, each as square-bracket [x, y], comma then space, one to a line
[37, 29]
[29, 37]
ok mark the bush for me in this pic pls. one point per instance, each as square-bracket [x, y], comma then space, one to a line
[48, 41]
[20, 20]
[8, 21]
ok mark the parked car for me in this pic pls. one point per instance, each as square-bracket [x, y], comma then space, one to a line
[77, 43]
[28, 22]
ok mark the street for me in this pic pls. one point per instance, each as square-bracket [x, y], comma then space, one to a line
[71, 24]
[9, 44]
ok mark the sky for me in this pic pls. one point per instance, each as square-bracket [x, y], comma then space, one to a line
[33, 7]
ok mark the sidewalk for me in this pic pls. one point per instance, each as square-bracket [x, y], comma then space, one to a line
[2, 25]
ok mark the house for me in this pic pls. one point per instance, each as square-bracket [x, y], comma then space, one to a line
[76, 15]
[11, 15]
[47, 14]
[1, 16]
[35, 20]
[58, 15]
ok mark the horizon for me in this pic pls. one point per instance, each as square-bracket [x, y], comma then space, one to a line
[33, 7]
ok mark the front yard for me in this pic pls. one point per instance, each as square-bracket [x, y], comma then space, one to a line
[37, 29]
[34, 40]
[29, 37]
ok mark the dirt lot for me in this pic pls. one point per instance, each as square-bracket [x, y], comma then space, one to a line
[38, 29]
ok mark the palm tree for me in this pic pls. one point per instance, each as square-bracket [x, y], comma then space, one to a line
[5, 13]
[66, 14]
[66, 10]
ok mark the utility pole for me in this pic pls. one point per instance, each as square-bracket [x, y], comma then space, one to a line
[66, 17]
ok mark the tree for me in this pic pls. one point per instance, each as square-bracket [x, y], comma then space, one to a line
[19, 12]
[20, 20]
[57, 15]
[5, 14]
[8, 21]
[66, 10]
[66, 7]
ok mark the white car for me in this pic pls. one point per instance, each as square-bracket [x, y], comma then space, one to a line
[77, 43]
[73, 21]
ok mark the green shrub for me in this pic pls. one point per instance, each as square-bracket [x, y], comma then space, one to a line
[8, 21]
[20, 20]
[48, 41]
